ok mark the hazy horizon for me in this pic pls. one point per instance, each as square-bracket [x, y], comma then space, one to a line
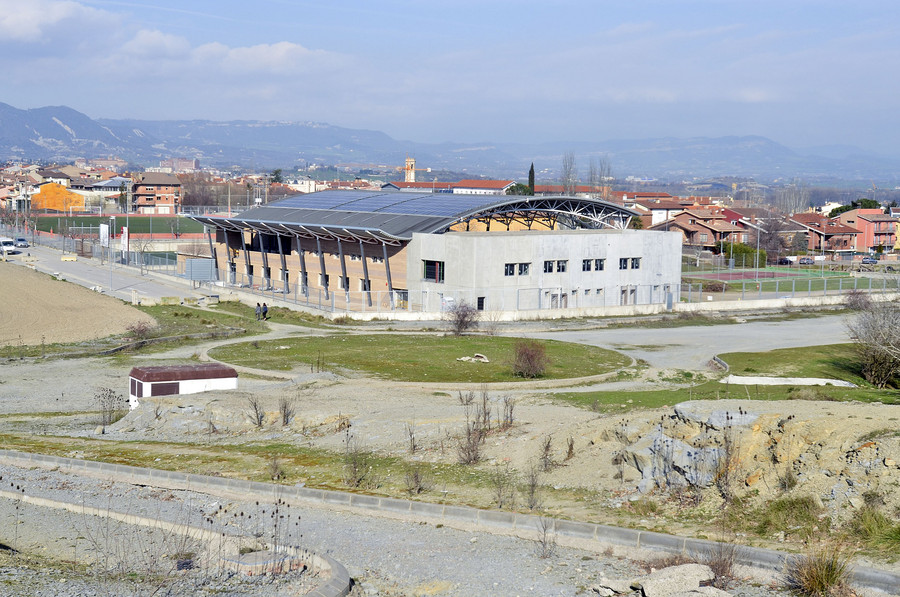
[803, 74]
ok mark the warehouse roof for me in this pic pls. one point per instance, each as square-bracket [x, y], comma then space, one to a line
[393, 217]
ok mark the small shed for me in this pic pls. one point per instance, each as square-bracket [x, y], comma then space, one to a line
[168, 380]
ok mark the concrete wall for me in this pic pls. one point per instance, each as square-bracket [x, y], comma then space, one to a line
[475, 265]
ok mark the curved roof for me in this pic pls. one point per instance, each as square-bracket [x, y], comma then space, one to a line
[393, 217]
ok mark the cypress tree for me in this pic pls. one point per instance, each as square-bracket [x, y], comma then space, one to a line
[531, 178]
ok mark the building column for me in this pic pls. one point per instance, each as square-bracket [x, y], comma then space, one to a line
[387, 271]
[246, 260]
[322, 266]
[266, 273]
[362, 255]
[344, 281]
[284, 273]
[304, 277]
[212, 251]
[230, 264]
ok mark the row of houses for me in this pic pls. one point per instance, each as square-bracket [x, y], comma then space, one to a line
[69, 189]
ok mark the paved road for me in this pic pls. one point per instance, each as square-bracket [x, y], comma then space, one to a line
[691, 347]
[90, 272]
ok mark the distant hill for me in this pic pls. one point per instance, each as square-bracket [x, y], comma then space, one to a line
[63, 134]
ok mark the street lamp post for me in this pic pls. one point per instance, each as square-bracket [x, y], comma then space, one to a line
[112, 235]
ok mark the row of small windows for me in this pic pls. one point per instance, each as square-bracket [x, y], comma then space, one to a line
[510, 269]
[434, 270]
[560, 266]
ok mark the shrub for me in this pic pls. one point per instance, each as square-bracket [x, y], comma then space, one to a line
[140, 330]
[857, 300]
[823, 572]
[530, 359]
[112, 406]
[461, 318]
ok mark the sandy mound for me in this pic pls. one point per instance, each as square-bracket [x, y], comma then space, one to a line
[35, 306]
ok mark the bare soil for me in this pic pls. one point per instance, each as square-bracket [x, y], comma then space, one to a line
[36, 308]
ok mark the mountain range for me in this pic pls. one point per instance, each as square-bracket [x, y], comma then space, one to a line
[59, 133]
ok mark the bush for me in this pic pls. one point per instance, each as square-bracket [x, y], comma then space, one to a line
[857, 300]
[823, 572]
[462, 317]
[112, 406]
[530, 359]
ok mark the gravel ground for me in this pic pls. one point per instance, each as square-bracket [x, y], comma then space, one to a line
[384, 556]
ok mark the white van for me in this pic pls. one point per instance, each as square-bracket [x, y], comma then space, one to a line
[7, 245]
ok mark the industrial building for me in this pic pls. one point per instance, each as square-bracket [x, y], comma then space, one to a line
[380, 251]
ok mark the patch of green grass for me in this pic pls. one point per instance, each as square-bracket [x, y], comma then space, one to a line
[420, 358]
[876, 530]
[161, 225]
[798, 516]
[276, 314]
[832, 361]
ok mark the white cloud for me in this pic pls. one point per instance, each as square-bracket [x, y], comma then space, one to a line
[36, 20]
[282, 57]
[157, 45]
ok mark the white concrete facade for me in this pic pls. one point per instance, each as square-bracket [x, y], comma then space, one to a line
[140, 389]
[522, 270]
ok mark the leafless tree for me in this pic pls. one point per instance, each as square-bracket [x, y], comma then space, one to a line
[773, 234]
[569, 174]
[600, 174]
[792, 198]
[287, 409]
[874, 332]
[255, 411]
[462, 317]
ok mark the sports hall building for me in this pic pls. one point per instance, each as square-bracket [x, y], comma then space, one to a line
[389, 251]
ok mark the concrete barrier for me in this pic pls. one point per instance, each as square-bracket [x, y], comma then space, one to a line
[523, 525]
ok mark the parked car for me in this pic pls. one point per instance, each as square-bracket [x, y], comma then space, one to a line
[784, 261]
[22, 243]
[807, 261]
[869, 260]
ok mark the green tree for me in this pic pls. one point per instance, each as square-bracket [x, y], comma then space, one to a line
[531, 179]
[277, 175]
[520, 189]
[861, 203]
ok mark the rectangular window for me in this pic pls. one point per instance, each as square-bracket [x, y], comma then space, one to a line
[323, 280]
[523, 269]
[548, 267]
[598, 264]
[434, 271]
[164, 389]
[704, 237]
[509, 269]
[586, 265]
[635, 263]
[365, 285]
[480, 303]
[623, 263]
[561, 265]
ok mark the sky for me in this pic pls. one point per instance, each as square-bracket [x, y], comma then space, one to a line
[801, 72]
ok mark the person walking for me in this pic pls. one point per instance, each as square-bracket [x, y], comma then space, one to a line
[258, 311]
[265, 312]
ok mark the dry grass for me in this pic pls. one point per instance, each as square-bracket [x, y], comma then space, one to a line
[823, 572]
